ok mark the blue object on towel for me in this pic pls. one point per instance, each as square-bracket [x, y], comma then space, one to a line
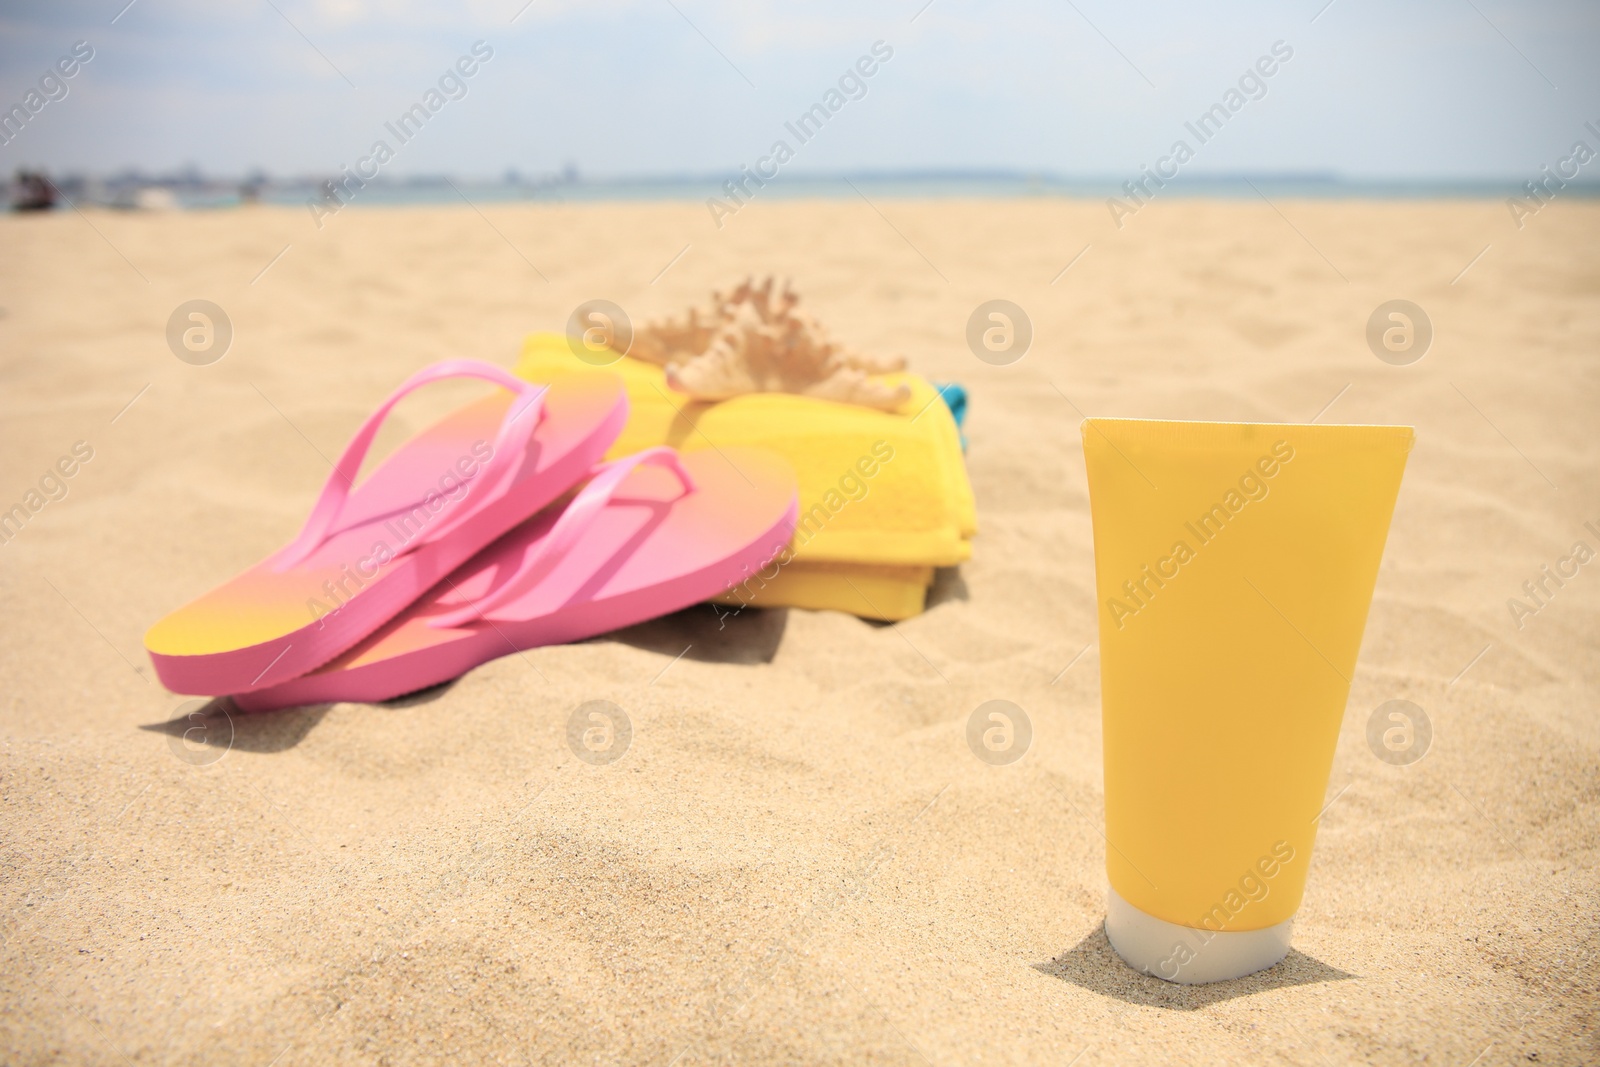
[955, 398]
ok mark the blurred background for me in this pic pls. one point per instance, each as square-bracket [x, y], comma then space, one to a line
[202, 103]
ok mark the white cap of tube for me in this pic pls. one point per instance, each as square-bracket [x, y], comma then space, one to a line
[1187, 955]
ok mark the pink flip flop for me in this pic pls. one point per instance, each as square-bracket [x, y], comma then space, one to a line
[650, 534]
[368, 551]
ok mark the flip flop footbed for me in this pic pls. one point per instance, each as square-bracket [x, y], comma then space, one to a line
[652, 550]
[401, 529]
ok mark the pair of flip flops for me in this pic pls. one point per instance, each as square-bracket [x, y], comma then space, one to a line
[494, 530]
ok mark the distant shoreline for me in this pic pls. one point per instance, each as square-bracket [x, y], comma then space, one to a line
[196, 192]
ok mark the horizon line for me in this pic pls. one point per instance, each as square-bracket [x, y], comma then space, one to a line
[515, 176]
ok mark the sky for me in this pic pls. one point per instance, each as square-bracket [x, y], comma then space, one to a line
[1425, 90]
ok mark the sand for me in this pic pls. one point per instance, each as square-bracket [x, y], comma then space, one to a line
[797, 859]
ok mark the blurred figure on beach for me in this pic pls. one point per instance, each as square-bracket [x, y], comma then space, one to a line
[32, 191]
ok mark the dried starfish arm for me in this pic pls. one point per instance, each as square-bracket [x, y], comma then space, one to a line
[650, 347]
[718, 374]
[672, 339]
[871, 364]
[849, 386]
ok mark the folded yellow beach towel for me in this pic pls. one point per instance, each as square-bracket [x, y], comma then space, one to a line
[884, 497]
[871, 590]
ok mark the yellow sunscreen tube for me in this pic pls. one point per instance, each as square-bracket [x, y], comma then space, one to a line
[1234, 566]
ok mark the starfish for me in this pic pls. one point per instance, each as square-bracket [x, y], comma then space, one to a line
[753, 342]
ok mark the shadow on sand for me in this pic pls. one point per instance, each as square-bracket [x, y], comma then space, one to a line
[1094, 965]
[703, 632]
[947, 585]
[710, 633]
[217, 721]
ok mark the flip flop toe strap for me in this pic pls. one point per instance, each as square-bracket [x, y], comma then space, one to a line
[489, 481]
